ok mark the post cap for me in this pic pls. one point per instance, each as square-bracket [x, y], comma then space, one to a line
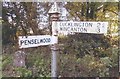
[54, 9]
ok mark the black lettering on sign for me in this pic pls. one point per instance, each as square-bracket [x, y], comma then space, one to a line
[98, 27]
[49, 39]
[75, 24]
[87, 24]
[21, 42]
[91, 24]
[30, 41]
[69, 24]
[25, 42]
[64, 28]
[85, 29]
[34, 41]
[41, 40]
[60, 24]
[74, 29]
[44, 40]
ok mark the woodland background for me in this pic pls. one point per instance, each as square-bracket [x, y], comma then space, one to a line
[80, 55]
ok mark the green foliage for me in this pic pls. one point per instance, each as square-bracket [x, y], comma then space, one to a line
[88, 66]
[23, 72]
[114, 56]
[71, 61]
[92, 55]
[8, 30]
[8, 33]
[6, 60]
[79, 42]
[38, 64]
[5, 27]
[41, 69]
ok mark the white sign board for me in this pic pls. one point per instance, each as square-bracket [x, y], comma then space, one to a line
[37, 40]
[81, 27]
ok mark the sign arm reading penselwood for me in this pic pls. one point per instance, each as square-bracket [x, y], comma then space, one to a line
[38, 40]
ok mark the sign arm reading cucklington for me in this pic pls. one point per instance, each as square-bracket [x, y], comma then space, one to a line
[81, 27]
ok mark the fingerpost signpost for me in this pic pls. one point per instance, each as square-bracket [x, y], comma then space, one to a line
[54, 16]
[60, 27]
